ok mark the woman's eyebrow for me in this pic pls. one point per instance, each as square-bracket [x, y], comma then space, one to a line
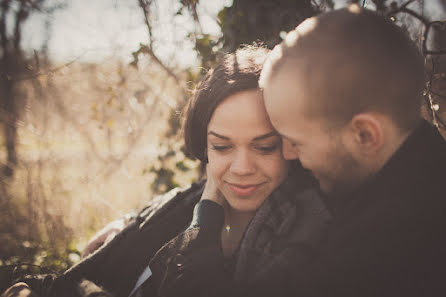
[218, 135]
[267, 135]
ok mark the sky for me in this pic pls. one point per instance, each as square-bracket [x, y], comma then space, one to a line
[97, 30]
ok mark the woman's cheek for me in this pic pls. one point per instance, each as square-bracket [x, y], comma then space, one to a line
[277, 167]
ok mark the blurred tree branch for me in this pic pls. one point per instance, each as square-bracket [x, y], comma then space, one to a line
[13, 65]
[145, 6]
[147, 49]
[41, 72]
[435, 85]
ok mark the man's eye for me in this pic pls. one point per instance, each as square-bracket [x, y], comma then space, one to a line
[220, 148]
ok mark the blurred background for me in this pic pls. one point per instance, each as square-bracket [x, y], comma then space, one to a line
[91, 96]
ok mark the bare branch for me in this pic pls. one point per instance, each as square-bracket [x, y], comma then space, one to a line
[428, 25]
[148, 49]
[83, 131]
[403, 8]
[193, 9]
[20, 16]
[429, 93]
[144, 49]
[50, 71]
[137, 137]
[4, 38]
[426, 34]
[145, 6]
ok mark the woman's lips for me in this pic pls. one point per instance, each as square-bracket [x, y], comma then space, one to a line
[243, 190]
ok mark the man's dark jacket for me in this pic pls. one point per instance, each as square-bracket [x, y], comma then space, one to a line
[388, 238]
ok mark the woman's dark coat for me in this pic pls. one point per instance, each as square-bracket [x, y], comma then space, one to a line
[286, 225]
[116, 266]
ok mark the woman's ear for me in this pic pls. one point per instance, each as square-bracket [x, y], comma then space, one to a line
[368, 132]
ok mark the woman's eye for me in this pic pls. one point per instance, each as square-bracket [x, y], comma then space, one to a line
[220, 148]
[267, 148]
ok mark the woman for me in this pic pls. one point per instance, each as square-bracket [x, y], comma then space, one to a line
[250, 203]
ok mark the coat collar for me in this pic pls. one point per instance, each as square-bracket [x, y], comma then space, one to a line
[414, 162]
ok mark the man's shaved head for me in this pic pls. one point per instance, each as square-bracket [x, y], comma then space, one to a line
[351, 61]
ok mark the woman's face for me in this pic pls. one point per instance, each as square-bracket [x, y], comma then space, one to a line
[244, 151]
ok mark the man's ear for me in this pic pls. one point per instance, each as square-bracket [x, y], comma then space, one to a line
[368, 132]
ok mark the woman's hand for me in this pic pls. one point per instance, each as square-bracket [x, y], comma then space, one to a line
[19, 290]
[211, 192]
[104, 236]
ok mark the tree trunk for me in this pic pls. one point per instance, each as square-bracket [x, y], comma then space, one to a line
[9, 106]
[251, 20]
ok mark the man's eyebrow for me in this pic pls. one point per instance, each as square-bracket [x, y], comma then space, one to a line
[218, 135]
[267, 135]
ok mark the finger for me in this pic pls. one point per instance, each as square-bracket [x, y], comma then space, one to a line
[211, 191]
[19, 290]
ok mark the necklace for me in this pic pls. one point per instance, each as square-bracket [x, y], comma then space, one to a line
[228, 228]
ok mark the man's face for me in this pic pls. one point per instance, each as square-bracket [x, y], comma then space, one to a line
[321, 150]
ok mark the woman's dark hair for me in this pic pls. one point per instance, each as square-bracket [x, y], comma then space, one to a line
[239, 71]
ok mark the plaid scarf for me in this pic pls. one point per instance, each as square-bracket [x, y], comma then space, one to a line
[283, 230]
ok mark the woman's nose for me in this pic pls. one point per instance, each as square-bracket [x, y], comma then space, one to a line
[243, 163]
[288, 150]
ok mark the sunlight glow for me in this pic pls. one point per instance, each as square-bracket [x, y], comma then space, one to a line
[354, 8]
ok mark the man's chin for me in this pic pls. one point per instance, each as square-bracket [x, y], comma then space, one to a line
[327, 188]
[335, 189]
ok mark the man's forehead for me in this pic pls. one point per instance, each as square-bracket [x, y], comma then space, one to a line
[278, 89]
[287, 81]
[282, 100]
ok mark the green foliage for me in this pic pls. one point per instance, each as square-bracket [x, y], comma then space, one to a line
[207, 46]
[34, 253]
[182, 166]
[164, 180]
[34, 259]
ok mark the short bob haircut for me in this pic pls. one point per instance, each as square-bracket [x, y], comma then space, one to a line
[239, 71]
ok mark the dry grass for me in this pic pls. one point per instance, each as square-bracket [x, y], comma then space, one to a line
[88, 139]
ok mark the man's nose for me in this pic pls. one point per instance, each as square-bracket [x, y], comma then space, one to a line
[288, 150]
[243, 163]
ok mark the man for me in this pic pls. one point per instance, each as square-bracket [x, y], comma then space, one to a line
[344, 90]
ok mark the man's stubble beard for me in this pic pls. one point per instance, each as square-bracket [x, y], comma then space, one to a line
[344, 175]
